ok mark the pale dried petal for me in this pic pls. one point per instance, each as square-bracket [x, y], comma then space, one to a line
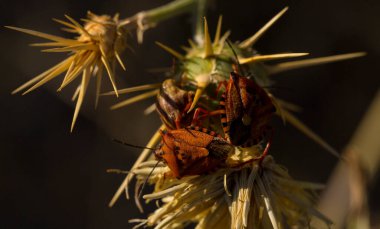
[263, 195]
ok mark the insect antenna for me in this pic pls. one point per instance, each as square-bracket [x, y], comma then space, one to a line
[150, 173]
[146, 180]
[131, 145]
[236, 57]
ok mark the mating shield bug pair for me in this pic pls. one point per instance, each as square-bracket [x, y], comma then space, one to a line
[187, 150]
[245, 110]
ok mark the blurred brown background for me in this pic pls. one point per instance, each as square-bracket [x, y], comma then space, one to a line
[53, 179]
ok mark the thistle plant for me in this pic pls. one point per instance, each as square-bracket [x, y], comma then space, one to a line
[248, 189]
[246, 193]
[100, 42]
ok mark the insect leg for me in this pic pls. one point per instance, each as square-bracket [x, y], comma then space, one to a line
[205, 113]
[269, 143]
[220, 85]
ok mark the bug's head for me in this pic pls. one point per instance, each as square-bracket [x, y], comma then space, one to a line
[164, 148]
[159, 152]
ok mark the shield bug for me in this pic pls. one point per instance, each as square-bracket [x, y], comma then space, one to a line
[246, 110]
[172, 105]
[192, 151]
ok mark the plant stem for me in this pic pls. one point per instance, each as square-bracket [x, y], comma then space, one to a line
[345, 198]
[169, 10]
[147, 19]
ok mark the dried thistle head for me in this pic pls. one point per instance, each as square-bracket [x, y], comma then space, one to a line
[105, 30]
[99, 44]
[258, 195]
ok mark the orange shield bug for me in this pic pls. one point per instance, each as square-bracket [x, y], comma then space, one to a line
[192, 151]
[246, 110]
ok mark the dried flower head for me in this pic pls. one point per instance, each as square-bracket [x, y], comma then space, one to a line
[100, 42]
[258, 195]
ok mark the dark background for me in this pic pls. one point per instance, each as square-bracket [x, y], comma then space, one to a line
[50, 178]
